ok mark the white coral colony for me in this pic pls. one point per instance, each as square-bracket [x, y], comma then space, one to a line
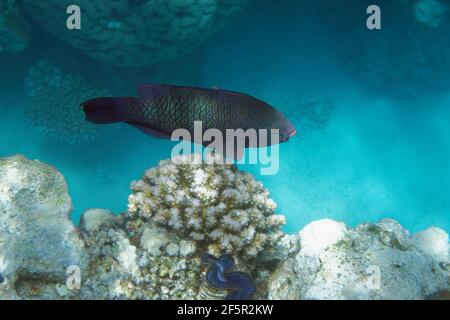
[216, 206]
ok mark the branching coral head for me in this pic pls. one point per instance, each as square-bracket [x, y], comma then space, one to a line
[220, 208]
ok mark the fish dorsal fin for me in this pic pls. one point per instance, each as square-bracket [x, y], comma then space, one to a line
[161, 90]
[150, 131]
[152, 90]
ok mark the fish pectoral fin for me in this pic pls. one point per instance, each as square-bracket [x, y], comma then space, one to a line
[150, 131]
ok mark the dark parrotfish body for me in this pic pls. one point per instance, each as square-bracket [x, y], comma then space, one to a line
[160, 109]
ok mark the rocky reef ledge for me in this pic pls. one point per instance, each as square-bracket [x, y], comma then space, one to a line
[179, 212]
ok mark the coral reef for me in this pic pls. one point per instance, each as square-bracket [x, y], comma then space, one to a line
[54, 96]
[126, 266]
[176, 212]
[131, 33]
[38, 242]
[138, 257]
[371, 261]
[14, 30]
[219, 208]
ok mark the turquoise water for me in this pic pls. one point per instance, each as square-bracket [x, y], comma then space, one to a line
[381, 150]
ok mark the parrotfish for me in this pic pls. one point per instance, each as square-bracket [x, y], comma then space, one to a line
[161, 109]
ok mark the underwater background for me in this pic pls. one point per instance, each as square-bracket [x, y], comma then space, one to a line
[371, 108]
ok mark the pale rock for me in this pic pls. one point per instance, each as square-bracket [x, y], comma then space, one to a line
[321, 234]
[433, 242]
[370, 261]
[93, 219]
[38, 242]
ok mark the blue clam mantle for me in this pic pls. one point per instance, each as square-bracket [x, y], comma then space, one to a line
[219, 275]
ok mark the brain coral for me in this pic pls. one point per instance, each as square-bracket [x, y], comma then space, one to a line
[14, 31]
[220, 209]
[130, 33]
[53, 103]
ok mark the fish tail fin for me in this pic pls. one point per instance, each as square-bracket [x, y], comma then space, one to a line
[106, 110]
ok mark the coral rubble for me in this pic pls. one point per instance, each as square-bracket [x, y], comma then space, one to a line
[14, 30]
[141, 256]
[131, 33]
[54, 96]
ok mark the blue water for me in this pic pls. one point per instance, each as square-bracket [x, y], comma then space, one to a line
[380, 154]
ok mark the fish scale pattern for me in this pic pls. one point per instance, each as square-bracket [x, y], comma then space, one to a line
[181, 111]
[175, 111]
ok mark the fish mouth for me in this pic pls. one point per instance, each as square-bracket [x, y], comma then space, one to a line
[293, 133]
[285, 137]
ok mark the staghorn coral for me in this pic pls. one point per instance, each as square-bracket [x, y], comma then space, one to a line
[14, 30]
[218, 207]
[131, 33]
[53, 103]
